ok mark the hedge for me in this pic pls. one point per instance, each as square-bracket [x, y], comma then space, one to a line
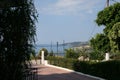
[109, 70]
[62, 62]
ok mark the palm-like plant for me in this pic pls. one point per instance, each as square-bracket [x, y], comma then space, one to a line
[17, 30]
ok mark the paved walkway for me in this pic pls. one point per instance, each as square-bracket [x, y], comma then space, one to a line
[50, 73]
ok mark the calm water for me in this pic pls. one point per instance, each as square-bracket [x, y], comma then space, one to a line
[54, 48]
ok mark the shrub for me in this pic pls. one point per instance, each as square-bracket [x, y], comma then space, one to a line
[70, 53]
[40, 53]
[62, 62]
[109, 69]
[96, 55]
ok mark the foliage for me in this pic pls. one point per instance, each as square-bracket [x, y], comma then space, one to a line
[33, 55]
[115, 56]
[108, 17]
[114, 36]
[51, 53]
[81, 66]
[96, 55]
[62, 62]
[100, 69]
[45, 52]
[83, 52]
[70, 53]
[17, 30]
[109, 70]
[100, 43]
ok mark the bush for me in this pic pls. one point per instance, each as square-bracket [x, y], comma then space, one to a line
[40, 53]
[62, 62]
[109, 70]
[70, 53]
[96, 55]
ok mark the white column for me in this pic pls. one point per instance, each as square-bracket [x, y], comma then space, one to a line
[107, 56]
[42, 58]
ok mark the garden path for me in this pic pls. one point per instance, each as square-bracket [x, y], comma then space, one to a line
[52, 73]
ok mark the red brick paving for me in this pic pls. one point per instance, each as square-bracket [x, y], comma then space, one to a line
[50, 73]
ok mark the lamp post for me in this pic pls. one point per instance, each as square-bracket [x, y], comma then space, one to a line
[107, 3]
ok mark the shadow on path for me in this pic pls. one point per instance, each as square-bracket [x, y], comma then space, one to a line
[50, 73]
[64, 76]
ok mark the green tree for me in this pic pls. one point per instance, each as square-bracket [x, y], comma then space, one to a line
[51, 53]
[70, 53]
[108, 17]
[114, 36]
[45, 52]
[100, 43]
[33, 55]
[96, 55]
[17, 30]
[83, 51]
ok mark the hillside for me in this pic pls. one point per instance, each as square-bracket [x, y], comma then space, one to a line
[77, 44]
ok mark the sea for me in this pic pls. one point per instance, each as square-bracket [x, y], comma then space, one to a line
[57, 49]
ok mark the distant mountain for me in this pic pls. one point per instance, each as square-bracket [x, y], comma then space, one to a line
[70, 44]
[77, 44]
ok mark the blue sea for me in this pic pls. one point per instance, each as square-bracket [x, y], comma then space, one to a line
[58, 49]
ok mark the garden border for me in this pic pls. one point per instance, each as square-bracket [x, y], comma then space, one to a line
[75, 72]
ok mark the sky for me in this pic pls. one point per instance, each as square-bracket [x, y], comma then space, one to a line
[67, 20]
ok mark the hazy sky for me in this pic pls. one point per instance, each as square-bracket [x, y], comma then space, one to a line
[68, 20]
